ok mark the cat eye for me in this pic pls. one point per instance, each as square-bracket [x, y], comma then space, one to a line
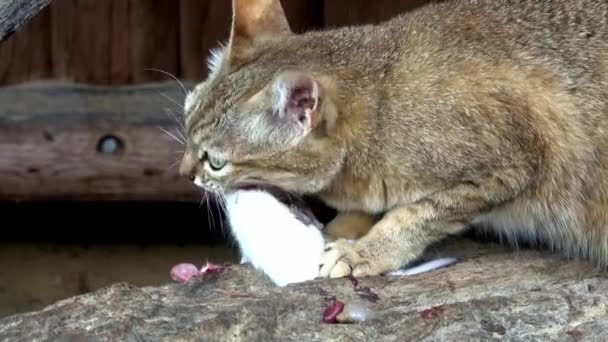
[216, 164]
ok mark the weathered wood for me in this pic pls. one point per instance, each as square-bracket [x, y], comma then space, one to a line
[491, 295]
[120, 57]
[27, 54]
[204, 24]
[154, 39]
[15, 14]
[82, 46]
[50, 136]
[118, 41]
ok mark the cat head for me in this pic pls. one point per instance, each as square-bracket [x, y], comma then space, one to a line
[265, 115]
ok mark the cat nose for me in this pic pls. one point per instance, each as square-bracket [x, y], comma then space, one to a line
[187, 167]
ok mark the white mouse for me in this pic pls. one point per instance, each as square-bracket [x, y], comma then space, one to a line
[272, 238]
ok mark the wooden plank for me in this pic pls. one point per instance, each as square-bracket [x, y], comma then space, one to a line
[64, 35]
[50, 135]
[154, 39]
[114, 41]
[81, 40]
[204, 24]
[354, 12]
[16, 14]
[26, 55]
[120, 38]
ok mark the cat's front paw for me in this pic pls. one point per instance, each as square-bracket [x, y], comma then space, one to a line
[343, 257]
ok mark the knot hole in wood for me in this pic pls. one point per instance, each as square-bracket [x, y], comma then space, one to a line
[110, 144]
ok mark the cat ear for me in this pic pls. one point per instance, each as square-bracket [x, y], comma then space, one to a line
[296, 98]
[253, 20]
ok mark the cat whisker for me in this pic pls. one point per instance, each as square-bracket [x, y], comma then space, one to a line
[292, 194]
[173, 115]
[172, 76]
[222, 204]
[172, 100]
[173, 165]
[218, 208]
[296, 195]
[210, 212]
[205, 200]
[223, 200]
[173, 136]
[181, 135]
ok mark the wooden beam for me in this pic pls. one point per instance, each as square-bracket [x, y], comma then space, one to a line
[14, 14]
[79, 142]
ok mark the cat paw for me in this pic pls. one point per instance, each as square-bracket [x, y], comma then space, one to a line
[342, 258]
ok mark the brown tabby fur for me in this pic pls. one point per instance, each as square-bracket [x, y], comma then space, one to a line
[484, 113]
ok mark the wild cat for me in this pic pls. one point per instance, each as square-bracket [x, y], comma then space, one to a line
[491, 114]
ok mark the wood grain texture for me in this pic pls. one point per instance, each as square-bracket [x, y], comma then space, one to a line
[81, 40]
[50, 135]
[27, 54]
[352, 12]
[15, 14]
[154, 39]
[121, 62]
[204, 24]
[119, 41]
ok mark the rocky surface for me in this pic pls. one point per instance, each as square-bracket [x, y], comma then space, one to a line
[491, 294]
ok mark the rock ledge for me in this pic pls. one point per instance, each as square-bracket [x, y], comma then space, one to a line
[492, 294]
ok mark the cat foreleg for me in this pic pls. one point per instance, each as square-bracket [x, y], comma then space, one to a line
[403, 233]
